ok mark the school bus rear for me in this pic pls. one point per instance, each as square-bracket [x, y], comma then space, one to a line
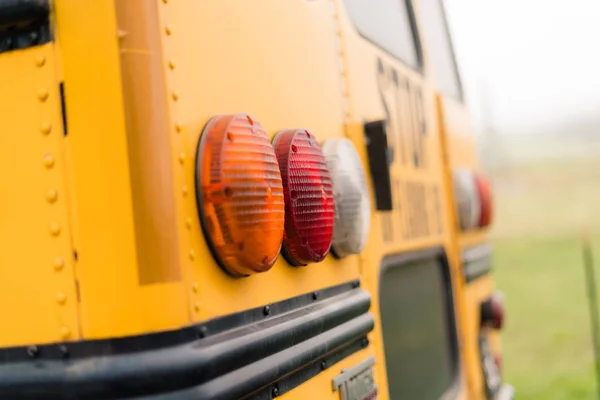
[144, 206]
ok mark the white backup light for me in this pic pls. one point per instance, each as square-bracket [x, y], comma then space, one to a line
[351, 197]
[467, 199]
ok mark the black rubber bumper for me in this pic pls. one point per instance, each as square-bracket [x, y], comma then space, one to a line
[259, 353]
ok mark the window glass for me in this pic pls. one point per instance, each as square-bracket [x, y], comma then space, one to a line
[418, 329]
[439, 47]
[387, 23]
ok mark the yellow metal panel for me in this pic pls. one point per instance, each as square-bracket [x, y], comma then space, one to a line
[112, 301]
[38, 300]
[283, 73]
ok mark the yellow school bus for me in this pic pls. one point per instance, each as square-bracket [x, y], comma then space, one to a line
[240, 199]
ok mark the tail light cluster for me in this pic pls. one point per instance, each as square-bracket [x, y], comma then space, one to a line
[257, 198]
[474, 200]
[492, 311]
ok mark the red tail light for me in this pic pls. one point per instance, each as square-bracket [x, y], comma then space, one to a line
[473, 198]
[492, 311]
[485, 196]
[308, 194]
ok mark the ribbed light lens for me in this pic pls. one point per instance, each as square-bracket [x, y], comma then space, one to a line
[308, 193]
[240, 194]
[485, 195]
[351, 195]
[467, 199]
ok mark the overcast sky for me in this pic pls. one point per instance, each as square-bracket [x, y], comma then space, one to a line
[539, 59]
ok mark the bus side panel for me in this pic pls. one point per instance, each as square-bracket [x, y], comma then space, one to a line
[38, 300]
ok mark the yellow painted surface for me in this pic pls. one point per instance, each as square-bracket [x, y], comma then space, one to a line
[138, 94]
[37, 300]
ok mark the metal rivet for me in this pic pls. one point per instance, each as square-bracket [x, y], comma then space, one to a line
[51, 195]
[178, 126]
[197, 307]
[49, 161]
[165, 1]
[32, 351]
[195, 287]
[184, 190]
[61, 298]
[175, 95]
[168, 29]
[46, 128]
[188, 222]
[43, 94]
[59, 264]
[55, 229]
[192, 254]
[171, 64]
[40, 61]
[181, 158]
[64, 332]
[267, 310]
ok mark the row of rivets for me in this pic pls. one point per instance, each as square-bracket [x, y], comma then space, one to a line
[52, 196]
[175, 95]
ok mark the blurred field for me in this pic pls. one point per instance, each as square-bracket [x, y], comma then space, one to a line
[547, 345]
[542, 209]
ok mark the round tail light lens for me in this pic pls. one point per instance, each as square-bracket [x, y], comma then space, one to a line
[492, 311]
[239, 194]
[351, 195]
[467, 199]
[485, 195]
[308, 193]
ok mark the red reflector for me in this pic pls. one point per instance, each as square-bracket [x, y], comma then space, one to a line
[492, 311]
[485, 194]
[308, 194]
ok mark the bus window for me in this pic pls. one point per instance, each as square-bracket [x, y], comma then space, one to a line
[440, 54]
[388, 24]
[418, 327]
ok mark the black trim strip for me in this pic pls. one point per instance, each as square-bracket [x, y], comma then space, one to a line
[238, 355]
[477, 261]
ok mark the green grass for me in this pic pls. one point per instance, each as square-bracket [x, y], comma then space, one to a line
[547, 344]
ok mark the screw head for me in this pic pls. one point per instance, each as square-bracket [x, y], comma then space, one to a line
[55, 229]
[51, 195]
[275, 392]
[48, 161]
[43, 94]
[64, 351]
[64, 333]
[315, 295]
[202, 332]
[40, 61]
[46, 128]
[61, 298]
[59, 264]
[267, 310]
[33, 351]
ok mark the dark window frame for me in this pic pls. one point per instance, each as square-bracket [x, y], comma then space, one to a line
[401, 260]
[449, 39]
[415, 36]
